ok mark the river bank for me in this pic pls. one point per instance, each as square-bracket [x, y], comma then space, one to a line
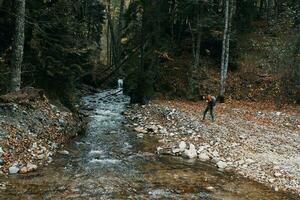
[32, 130]
[253, 140]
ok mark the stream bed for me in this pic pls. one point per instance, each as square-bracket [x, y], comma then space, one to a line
[110, 162]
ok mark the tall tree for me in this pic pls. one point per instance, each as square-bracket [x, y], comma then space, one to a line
[226, 46]
[18, 46]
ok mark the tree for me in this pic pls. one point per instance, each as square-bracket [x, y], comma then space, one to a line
[226, 45]
[18, 46]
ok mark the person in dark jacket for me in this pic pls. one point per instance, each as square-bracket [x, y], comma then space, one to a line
[211, 103]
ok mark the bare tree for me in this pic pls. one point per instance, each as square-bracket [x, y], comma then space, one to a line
[226, 45]
[18, 46]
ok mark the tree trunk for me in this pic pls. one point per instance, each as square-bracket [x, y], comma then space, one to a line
[198, 39]
[18, 46]
[121, 25]
[226, 46]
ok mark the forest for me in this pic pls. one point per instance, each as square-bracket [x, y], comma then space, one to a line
[61, 59]
[174, 48]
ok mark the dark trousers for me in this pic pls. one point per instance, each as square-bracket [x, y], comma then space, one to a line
[209, 108]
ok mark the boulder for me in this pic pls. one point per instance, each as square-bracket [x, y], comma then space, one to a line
[182, 145]
[203, 156]
[191, 152]
[221, 164]
[13, 170]
[23, 170]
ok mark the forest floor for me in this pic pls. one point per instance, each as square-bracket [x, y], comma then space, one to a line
[254, 140]
[32, 130]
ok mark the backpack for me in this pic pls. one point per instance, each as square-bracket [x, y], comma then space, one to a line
[213, 101]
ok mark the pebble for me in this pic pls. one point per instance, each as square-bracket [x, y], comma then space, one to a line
[64, 152]
[277, 174]
[2, 162]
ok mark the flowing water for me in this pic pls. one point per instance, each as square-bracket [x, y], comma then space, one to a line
[110, 162]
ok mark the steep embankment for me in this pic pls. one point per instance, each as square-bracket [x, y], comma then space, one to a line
[251, 139]
[261, 67]
[31, 130]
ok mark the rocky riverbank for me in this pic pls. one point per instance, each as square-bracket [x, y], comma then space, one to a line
[32, 130]
[252, 139]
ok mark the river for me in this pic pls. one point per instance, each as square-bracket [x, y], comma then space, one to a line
[110, 162]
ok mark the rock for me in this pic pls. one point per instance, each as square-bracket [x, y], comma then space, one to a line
[64, 152]
[272, 180]
[277, 174]
[159, 150]
[203, 156]
[61, 122]
[140, 135]
[13, 170]
[210, 188]
[276, 189]
[34, 145]
[2, 162]
[191, 152]
[182, 146]
[1, 151]
[163, 131]
[40, 156]
[140, 130]
[124, 113]
[152, 128]
[176, 150]
[221, 164]
[23, 170]
[250, 161]
[31, 167]
[54, 146]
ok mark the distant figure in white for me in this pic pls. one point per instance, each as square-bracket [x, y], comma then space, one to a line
[120, 85]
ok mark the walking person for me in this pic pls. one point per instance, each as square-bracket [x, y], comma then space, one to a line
[211, 103]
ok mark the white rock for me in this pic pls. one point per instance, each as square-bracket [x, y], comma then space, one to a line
[34, 145]
[64, 152]
[250, 161]
[278, 113]
[163, 131]
[191, 152]
[221, 164]
[175, 150]
[210, 188]
[203, 156]
[1, 151]
[31, 167]
[140, 130]
[13, 170]
[182, 146]
[140, 135]
[159, 149]
[277, 174]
